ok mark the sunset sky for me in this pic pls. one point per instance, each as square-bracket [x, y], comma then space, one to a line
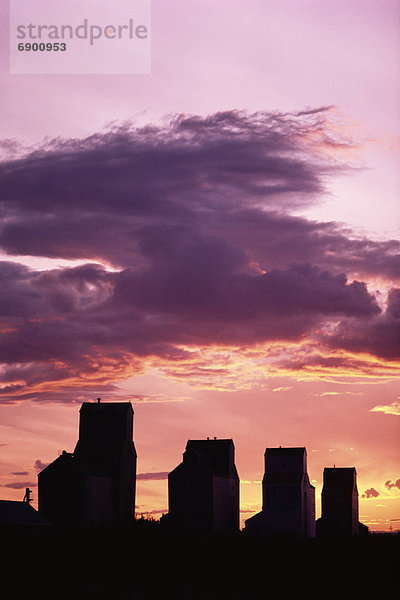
[216, 241]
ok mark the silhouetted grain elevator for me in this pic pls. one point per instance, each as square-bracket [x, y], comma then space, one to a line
[288, 497]
[203, 489]
[95, 483]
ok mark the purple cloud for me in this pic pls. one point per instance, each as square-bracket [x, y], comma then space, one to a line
[197, 291]
[39, 465]
[230, 176]
[195, 216]
[379, 336]
[19, 485]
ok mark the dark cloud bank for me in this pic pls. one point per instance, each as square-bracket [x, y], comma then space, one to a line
[196, 219]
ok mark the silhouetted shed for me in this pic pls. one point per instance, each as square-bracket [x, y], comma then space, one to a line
[13, 512]
[20, 521]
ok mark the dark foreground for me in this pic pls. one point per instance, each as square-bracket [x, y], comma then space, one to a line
[145, 562]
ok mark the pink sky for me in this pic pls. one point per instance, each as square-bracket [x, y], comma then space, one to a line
[210, 56]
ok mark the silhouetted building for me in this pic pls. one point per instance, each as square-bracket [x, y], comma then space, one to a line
[288, 497]
[339, 503]
[14, 513]
[203, 490]
[20, 521]
[95, 483]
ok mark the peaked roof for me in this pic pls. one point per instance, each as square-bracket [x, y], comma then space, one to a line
[340, 471]
[65, 458]
[106, 406]
[210, 443]
[339, 478]
[213, 455]
[297, 451]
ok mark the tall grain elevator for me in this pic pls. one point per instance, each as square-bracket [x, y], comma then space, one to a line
[203, 490]
[96, 483]
[339, 503]
[288, 497]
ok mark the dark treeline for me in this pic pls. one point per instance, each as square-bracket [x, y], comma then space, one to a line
[146, 562]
